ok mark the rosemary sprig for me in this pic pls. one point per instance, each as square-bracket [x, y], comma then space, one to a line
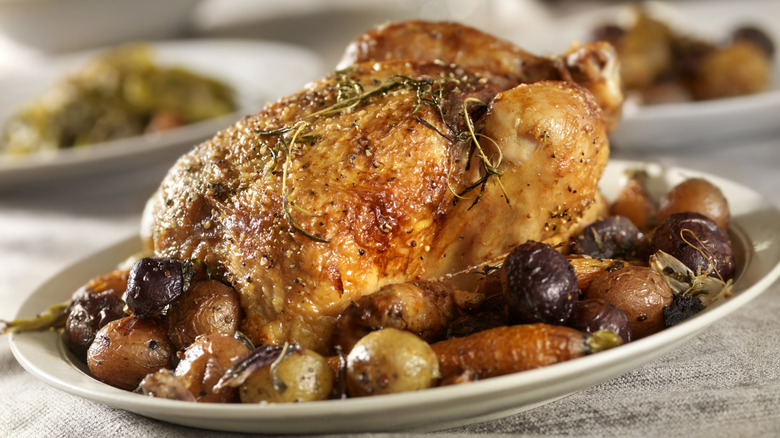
[52, 318]
[286, 147]
[351, 93]
[491, 167]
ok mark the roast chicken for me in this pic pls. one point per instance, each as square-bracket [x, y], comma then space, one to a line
[400, 166]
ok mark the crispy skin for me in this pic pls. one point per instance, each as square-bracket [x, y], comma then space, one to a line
[369, 194]
[594, 65]
[451, 43]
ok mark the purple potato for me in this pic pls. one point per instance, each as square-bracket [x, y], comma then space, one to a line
[697, 242]
[540, 284]
[87, 314]
[615, 237]
[153, 284]
[594, 314]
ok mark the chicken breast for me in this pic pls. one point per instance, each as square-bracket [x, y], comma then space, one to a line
[381, 173]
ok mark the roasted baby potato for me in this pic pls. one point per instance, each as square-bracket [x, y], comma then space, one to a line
[390, 361]
[637, 291]
[297, 375]
[92, 306]
[127, 349]
[207, 307]
[696, 195]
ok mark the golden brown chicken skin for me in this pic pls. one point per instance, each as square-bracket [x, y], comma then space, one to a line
[361, 180]
[594, 65]
[451, 43]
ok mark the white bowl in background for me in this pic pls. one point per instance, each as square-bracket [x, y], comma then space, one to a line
[54, 26]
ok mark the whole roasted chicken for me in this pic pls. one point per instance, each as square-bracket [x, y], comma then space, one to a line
[422, 157]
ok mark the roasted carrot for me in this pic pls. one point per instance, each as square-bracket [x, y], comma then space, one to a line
[509, 349]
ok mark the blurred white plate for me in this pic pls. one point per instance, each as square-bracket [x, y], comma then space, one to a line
[756, 234]
[695, 124]
[52, 26]
[259, 72]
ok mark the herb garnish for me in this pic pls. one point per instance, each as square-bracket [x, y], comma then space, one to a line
[350, 93]
[286, 146]
[491, 168]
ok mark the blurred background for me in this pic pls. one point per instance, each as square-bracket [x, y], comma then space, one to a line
[34, 29]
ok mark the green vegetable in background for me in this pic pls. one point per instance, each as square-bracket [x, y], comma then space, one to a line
[122, 93]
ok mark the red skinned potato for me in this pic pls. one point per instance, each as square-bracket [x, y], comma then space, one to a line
[127, 349]
[586, 268]
[636, 204]
[202, 366]
[207, 307]
[205, 361]
[699, 196]
[637, 291]
[92, 306]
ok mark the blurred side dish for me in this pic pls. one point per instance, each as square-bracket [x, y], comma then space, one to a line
[661, 65]
[120, 93]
